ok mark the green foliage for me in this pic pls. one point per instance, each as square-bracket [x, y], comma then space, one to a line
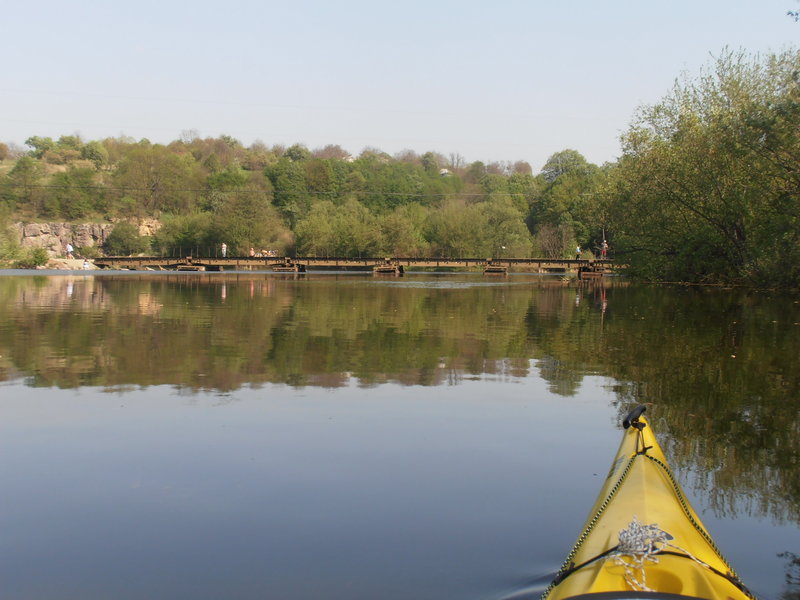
[183, 231]
[564, 199]
[39, 257]
[348, 230]
[40, 145]
[320, 178]
[506, 233]
[74, 195]
[21, 189]
[431, 163]
[564, 163]
[457, 230]
[315, 233]
[68, 148]
[227, 180]
[297, 152]
[523, 189]
[95, 152]
[356, 229]
[125, 239]
[206, 191]
[127, 207]
[32, 258]
[9, 246]
[249, 221]
[706, 190]
[88, 251]
[158, 179]
[289, 185]
[404, 231]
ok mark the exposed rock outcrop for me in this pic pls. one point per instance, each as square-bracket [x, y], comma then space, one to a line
[54, 237]
[148, 227]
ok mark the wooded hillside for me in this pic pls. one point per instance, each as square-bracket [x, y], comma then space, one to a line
[705, 190]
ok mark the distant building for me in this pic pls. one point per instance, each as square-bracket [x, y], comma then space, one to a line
[444, 172]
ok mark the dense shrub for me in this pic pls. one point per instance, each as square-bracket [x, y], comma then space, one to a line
[36, 257]
[125, 239]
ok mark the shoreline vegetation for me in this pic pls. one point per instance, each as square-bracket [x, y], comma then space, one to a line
[705, 191]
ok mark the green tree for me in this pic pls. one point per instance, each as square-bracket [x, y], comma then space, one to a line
[706, 188]
[565, 199]
[562, 163]
[9, 243]
[319, 178]
[403, 231]
[224, 185]
[288, 180]
[315, 231]
[248, 219]
[74, 195]
[347, 230]
[506, 232]
[67, 149]
[458, 230]
[432, 162]
[125, 239]
[158, 179]
[95, 152]
[40, 145]
[390, 183]
[32, 258]
[184, 233]
[23, 185]
[298, 152]
[523, 189]
[356, 230]
[475, 172]
[257, 157]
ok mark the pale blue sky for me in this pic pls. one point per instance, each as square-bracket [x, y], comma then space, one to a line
[495, 81]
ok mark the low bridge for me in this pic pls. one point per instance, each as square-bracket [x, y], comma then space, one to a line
[378, 265]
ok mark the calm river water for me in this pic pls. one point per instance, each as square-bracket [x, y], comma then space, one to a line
[442, 436]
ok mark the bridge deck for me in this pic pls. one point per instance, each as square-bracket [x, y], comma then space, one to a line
[304, 263]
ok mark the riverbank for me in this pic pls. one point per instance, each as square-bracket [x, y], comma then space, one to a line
[69, 264]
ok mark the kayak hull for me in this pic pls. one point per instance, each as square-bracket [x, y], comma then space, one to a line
[642, 538]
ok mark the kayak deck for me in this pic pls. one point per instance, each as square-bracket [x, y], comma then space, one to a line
[642, 538]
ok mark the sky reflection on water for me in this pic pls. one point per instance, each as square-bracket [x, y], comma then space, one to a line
[279, 492]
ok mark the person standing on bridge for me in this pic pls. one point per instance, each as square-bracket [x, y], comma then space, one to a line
[578, 252]
[603, 249]
[224, 249]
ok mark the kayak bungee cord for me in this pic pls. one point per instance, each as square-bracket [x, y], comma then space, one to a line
[641, 544]
[731, 575]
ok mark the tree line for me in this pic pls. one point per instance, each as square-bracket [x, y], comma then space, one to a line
[705, 189]
[294, 200]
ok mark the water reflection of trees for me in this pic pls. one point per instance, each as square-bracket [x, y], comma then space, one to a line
[721, 377]
[791, 577]
[718, 367]
[225, 331]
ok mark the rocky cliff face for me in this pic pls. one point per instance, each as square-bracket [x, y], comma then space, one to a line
[54, 237]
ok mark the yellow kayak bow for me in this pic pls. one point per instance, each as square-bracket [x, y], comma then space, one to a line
[642, 538]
